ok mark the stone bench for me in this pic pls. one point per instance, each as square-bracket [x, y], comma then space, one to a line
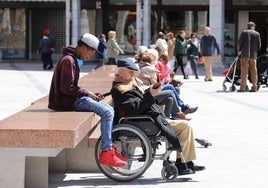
[37, 140]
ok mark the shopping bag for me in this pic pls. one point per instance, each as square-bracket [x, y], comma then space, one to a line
[188, 69]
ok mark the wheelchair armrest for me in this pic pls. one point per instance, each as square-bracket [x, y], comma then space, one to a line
[138, 117]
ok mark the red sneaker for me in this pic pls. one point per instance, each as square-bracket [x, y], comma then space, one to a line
[109, 158]
[122, 157]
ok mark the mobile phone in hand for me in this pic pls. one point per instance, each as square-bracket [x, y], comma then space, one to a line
[106, 94]
[156, 85]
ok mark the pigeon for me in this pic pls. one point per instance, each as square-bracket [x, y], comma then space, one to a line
[203, 142]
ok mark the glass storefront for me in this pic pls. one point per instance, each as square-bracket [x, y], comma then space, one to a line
[250, 2]
[229, 33]
[102, 16]
[183, 2]
[124, 23]
[128, 2]
[190, 21]
[12, 32]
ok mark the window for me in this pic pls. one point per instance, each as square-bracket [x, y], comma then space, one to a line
[12, 32]
[190, 21]
[128, 2]
[183, 2]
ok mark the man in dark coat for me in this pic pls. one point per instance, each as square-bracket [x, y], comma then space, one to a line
[248, 45]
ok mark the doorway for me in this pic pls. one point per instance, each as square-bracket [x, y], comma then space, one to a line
[261, 20]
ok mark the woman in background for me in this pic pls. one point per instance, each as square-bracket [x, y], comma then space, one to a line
[113, 49]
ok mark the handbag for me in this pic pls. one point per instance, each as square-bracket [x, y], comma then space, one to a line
[200, 60]
[188, 69]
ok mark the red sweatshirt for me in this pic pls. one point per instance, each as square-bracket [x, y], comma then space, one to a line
[64, 87]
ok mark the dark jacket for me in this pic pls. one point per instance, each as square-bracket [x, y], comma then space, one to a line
[208, 44]
[180, 46]
[132, 102]
[45, 45]
[129, 101]
[101, 53]
[192, 50]
[64, 87]
[249, 43]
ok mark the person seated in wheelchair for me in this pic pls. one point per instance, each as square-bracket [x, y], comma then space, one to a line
[131, 100]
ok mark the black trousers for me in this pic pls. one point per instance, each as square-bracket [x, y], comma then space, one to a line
[47, 60]
[179, 63]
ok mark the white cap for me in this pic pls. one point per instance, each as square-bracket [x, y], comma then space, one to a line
[90, 40]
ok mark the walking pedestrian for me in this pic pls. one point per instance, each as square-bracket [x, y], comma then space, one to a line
[249, 43]
[192, 53]
[171, 46]
[113, 49]
[46, 48]
[208, 44]
[101, 53]
[179, 52]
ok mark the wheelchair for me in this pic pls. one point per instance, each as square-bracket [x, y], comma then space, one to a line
[138, 139]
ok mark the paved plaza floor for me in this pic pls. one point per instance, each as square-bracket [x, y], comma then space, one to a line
[235, 123]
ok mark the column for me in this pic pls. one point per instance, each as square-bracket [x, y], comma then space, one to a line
[68, 21]
[216, 22]
[189, 22]
[120, 26]
[243, 21]
[75, 21]
[202, 21]
[147, 23]
[139, 22]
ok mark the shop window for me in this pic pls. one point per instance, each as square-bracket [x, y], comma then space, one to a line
[87, 21]
[229, 33]
[12, 32]
[124, 23]
[183, 2]
[128, 2]
[190, 21]
[53, 19]
[250, 2]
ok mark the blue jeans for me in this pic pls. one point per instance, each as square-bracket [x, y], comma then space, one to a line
[194, 63]
[105, 111]
[179, 101]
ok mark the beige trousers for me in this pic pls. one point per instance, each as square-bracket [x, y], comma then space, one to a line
[248, 64]
[208, 61]
[186, 138]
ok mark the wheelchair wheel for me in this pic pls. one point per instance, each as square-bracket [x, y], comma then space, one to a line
[224, 88]
[131, 142]
[232, 88]
[169, 172]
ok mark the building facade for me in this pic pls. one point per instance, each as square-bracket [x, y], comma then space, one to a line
[136, 22]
